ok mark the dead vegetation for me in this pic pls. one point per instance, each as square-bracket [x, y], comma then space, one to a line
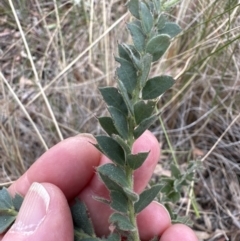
[71, 53]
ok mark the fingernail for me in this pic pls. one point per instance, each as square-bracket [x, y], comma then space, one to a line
[33, 210]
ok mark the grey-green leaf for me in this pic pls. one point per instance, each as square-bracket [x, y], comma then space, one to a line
[134, 8]
[113, 237]
[119, 121]
[138, 36]
[127, 73]
[157, 6]
[133, 196]
[113, 98]
[157, 86]
[111, 149]
[143, 110]
[17, 201]
[146, 62]
[119, 201]
[144, 125]
[136, 160]
[125, 95]
[175, 171]
[158, 45]
[174, 197]
[5, 222]
[161, 22]
[146, 18]
[110, 184]
[122, 143]
[121, 222]
[123, 52]
[107, 124]
[114, 173]
[81, 218]
[171, 29]
[5, 200]
[146, 197]
[133, 55]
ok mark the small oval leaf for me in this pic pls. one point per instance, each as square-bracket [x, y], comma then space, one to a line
[143, 110]
[127, 73]
[144, 125]
[5, 222]
[146, 17]
[122, 143]
[17, 201]
[136, 160]
[111, 149]
[138, 36]
[81, 218]
[121, 222]
[133, 196]
[133, 55]
[119, 121]
[125, 95]
[119, 201]
[133, 6]
[157, 86]
[5, 200]
[114, 173]
[146, 197]
[161, 22]
[123, 52]
[146, 62]
[107, 125]
[113, 98]
[158, 45]
[171, 29]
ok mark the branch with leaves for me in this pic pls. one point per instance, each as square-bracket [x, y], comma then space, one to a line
[131, 106]
[131, 112]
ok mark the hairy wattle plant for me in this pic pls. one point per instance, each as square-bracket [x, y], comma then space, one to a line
[131, 106]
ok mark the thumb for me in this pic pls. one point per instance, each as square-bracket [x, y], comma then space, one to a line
[44, 215]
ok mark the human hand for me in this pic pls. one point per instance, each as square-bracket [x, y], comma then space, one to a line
[67, 171]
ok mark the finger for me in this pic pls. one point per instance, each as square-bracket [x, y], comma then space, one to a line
[146, 143]
[44, 215]
[153, 221]
[99, 211]
[179, 232]
[68, 165]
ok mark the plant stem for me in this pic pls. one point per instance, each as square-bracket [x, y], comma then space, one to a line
[133, 220]
[129, 171]
[131, 210]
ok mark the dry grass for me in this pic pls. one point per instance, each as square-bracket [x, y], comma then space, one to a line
[70, 55]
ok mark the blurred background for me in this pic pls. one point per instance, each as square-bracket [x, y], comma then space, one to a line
[54, 54]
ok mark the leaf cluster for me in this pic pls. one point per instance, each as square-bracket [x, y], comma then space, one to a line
[131, 111]
[171, 188]
[9, 207]
[131, 108]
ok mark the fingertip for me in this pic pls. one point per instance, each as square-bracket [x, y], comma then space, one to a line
[179, 232]
[153, 221]
[147, 142]
[43, 211]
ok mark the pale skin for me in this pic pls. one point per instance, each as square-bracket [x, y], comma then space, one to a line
[67, 171]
